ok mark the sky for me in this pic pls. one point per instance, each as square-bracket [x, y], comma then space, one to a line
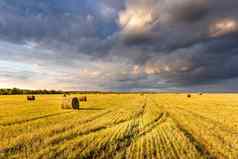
[119, 45]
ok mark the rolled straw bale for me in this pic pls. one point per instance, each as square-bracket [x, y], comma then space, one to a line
[70, 103]
[31, 98]
[83, 99]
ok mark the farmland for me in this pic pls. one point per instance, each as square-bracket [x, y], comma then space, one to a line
[134, 126]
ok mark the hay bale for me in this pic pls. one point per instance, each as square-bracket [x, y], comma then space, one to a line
[31, 98]
[83, 99]
[189, 96]
[70, 103]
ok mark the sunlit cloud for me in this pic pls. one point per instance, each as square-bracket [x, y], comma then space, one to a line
[138, 17]
[136, 70]
[223, 26]
[151, 69]
[135, 21]
[167, 68]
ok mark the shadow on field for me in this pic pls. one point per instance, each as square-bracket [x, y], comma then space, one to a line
[200, 147]
[91, 108]
[35, 118]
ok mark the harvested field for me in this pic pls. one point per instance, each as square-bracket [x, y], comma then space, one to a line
[133, 126]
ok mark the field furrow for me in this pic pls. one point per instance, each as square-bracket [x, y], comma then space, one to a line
[35, 139]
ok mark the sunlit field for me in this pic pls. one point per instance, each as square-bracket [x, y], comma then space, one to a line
[135, 126]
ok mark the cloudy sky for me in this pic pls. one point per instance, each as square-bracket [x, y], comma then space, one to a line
[119, 45]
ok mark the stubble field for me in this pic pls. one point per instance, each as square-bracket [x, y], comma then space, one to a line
[133, 126]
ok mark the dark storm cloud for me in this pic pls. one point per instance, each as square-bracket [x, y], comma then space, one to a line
[189, 11]
[50, 22]
[205, 62]
[175, 44]
[183, 33]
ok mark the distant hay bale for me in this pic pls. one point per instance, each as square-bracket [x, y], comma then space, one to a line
[189, 96]
[70, 103]
[31, 98]
[83, 99]
[201, 94]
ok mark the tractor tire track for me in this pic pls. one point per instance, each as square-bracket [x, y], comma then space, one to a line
[220, 138]
[200, 147]
[120, 142]
[96, 129]
[221, 126]
[37, 138]
[123, 143]
[58, 153]
[76, 134]
[169, 145]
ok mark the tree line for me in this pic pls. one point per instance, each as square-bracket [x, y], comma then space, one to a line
[16, 91]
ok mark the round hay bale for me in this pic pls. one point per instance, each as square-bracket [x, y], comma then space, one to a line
[70, 103]
[83, 99]
[189, 96]
[31, 98]
[75, 103]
